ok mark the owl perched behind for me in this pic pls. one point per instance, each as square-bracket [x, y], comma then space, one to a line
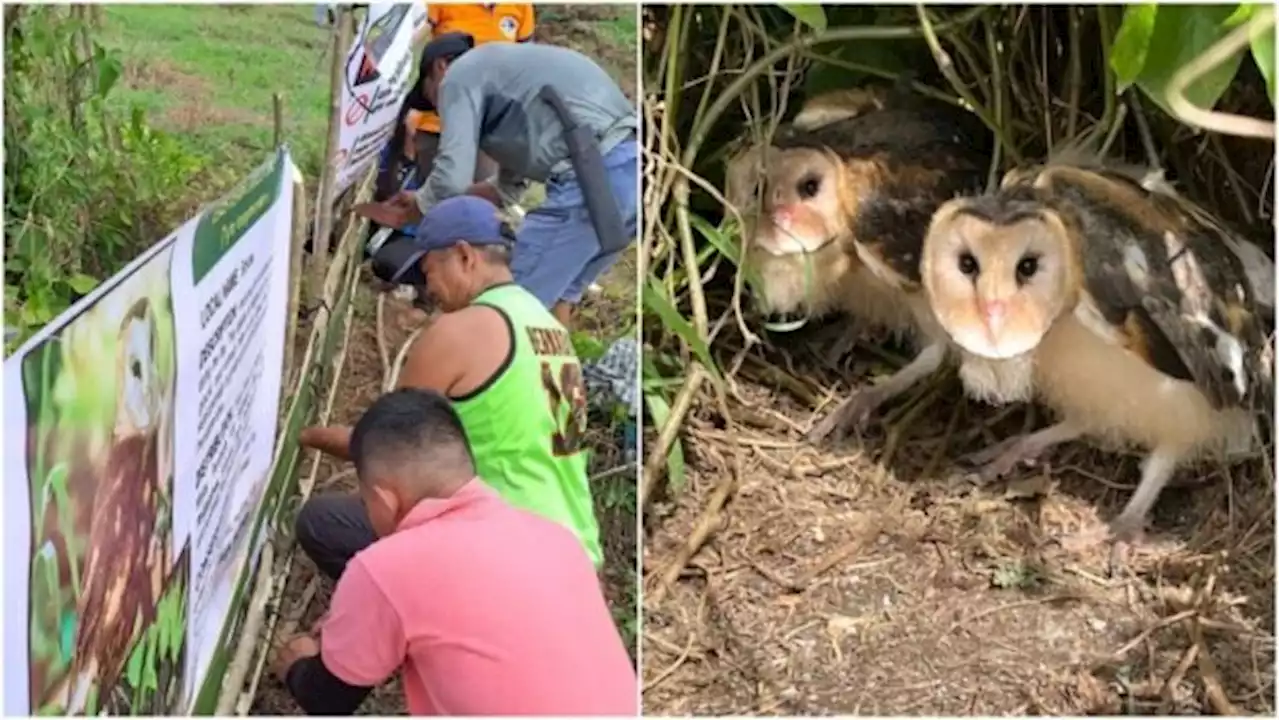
[835, 211]
[120, 588]
[1118, 306]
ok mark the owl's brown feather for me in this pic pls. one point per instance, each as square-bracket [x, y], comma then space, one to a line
[1165, 282]
[117, 598]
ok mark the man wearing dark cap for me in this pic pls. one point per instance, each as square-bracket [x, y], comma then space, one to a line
[506, 364]
[494, 98]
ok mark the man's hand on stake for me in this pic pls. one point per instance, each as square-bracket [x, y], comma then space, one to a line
[397, 212]
[297, 648]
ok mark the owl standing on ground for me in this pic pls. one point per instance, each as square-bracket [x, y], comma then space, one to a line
[1114, 303]
[122, 573]
[835, 210]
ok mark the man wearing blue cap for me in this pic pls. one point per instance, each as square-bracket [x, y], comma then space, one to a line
[507, 365]
[543, 113]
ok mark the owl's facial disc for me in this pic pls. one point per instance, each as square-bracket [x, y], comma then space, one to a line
[140, 394]
[995, 288]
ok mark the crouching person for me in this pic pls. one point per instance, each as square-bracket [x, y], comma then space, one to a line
[484, 608]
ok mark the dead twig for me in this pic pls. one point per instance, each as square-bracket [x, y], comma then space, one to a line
[702, 530]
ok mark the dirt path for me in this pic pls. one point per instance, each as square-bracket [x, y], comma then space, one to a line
[833, 584]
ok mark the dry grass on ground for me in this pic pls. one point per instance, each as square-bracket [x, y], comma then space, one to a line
[874, 578]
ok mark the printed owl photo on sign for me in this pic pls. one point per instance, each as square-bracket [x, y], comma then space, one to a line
[107, 608]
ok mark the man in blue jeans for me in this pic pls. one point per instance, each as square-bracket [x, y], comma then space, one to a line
[490, 98]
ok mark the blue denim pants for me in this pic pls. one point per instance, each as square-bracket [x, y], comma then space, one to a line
[557, 254]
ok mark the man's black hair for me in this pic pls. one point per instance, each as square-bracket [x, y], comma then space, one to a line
[448, 46]
[413, 427]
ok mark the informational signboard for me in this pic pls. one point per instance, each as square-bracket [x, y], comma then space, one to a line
[139, 430]
[379, 68]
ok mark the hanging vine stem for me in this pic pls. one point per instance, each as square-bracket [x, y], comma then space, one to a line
[949, 72]
[1227, 123]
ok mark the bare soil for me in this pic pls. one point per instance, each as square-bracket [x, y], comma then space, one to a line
[876, 578]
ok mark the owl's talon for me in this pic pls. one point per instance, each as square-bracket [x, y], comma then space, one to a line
[847, 419]
[998, 461]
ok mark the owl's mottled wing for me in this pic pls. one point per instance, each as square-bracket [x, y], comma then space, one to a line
[1172, 291]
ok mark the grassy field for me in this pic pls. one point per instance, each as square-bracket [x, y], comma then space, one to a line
[207, 75]
[209, 72]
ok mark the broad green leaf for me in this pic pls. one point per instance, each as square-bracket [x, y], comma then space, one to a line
[150, 680]
[1129, 51]
[82, 283]
[659, 410]
[133, 670]
[812, 15]
[1264, 54]
[715, 237]
[1241, 15]
[1182, 33]
[109, 69]
[655, 297]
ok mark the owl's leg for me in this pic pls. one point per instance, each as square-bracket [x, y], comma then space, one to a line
[1157, 469]
[1000, 459]
[857, 408]
[1126, 529]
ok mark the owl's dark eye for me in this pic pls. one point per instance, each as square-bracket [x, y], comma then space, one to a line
[968, 264]
[1027, 267]
[809, 187]
[136, 369]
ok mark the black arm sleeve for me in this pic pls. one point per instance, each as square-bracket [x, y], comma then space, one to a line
[320, 692]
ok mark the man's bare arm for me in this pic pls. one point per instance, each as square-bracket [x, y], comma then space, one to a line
[334, 441]
[435, 362]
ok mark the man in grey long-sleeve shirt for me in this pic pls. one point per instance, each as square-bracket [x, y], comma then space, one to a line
[488, 99]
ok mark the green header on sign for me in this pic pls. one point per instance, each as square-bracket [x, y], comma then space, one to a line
[225, 223]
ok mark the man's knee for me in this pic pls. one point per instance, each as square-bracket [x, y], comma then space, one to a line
[308, 526]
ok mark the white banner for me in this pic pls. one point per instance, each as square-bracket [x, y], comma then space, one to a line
[139, 430]
[379, 68]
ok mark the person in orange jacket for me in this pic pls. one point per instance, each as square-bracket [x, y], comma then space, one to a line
[484, 22]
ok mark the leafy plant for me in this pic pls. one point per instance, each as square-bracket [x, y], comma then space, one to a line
[1155, 41]
[86, 192]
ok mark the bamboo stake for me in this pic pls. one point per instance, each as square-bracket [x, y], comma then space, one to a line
[324, 205]
[252, 626]
[281, 580]
[295, 274]
[277, 119]
[343, 269]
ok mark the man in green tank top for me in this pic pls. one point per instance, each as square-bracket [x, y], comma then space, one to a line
[508, 366]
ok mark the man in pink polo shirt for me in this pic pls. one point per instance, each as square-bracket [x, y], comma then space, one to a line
[484, 608]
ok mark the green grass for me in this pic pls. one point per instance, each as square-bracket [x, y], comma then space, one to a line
[208, 74]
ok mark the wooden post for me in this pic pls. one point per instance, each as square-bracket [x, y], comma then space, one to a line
[277, 119]
[295, 275]
[323, 225]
